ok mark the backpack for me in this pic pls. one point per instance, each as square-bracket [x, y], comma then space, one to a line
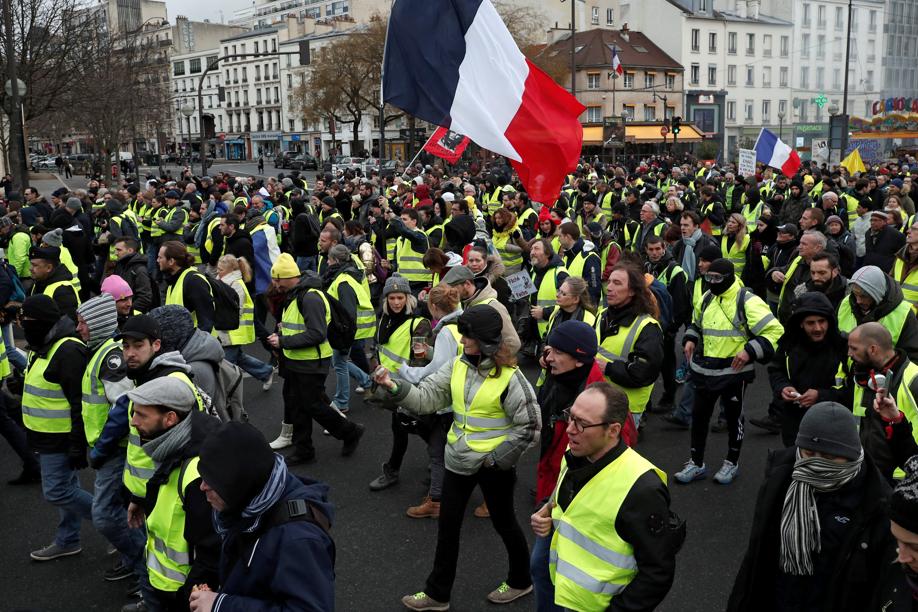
[226, 304]
[664, 303]
[343, 326]
[17, 294]
[228, 399]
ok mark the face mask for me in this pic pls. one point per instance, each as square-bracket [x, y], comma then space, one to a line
[719, 283]
[36, 331]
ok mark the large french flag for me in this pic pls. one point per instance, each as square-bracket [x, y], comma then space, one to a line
[771, 150]
[453, 63]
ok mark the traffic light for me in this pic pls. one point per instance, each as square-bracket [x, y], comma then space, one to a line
[304, 53]
[677, 125]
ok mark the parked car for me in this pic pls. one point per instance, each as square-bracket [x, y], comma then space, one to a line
[284, 158]
[343, 162]
[304, 161]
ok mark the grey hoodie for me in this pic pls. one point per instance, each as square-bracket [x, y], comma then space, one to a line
[203, 355]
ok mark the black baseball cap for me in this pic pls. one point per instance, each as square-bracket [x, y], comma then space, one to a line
[140, 327]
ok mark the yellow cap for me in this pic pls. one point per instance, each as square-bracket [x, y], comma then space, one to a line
[285, 267]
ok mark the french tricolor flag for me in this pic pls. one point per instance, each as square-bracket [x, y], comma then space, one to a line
[453, 63]
[772, 151]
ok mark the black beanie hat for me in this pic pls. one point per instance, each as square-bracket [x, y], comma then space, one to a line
[41, 308]
[903, 505]
[710, 253]
[575, 338]
[236, 462]
[483, 324]
[722, 266]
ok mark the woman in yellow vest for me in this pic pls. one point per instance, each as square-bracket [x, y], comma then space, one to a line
[734, 243]
[485, 265]
[508, 240]
[574, 303]
[399, 326]
[495, 419]
[236, 272]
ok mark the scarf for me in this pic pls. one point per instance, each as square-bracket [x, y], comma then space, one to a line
[388, 323]
[270, 494]
[688, 256]
[162, 448]
[799, 517]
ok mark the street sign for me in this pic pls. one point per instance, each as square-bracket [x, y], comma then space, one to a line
[664, 131]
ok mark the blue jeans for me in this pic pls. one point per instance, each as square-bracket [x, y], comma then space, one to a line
[16, 357]
[256, 367]
[541, 578]
[357, 365]
[306, 263]
[684, 410]
[342, 379]
[109, 516]
[61, 488]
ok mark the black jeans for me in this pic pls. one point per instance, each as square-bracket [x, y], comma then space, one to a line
[305, 401]
[16, 438]
[669, 366]
[731, 400]
[497, 486]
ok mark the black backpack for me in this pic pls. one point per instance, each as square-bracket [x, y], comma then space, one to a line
[226, 305]
[343, 326]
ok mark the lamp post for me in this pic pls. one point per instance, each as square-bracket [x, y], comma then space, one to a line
[781, 126]
[187, 109]
[624, 138]
[17, 157]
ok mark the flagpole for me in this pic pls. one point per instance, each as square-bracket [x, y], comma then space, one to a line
[418, 154]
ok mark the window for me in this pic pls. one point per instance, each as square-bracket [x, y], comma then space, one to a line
[257, 72]
[649, 79]
[747, 115]
[872, 23]
[610, 17]
[785, 46]
[750, 44]
[731, 110]
[234, 49]
[225, 50]
[853, 19]
[766, 111]
[595, 15]
[731, 74]
[805, 46]
[766, 76]
[628, 110]
[669, 112]
[245, 97]
[821, 46]
[871, 50]
[804, 77]
[766, 45]
[696, 35]
[868, 84]
[806, 15]
[243, 49]
[712, 74]
[245, 75]
[694, 74]
[235, 75]
[782, 107]
[854, 47]
[212, 61]
[650, 113]
[289, 81]
[712, 42]
[258, 96]
[839, 18]
[292, 124]
[820, 77]
[194, 65]
[703, 6]
[750, 76]
[670, 81]
[256, 47]
[274, 40]
[592, 80]
[731, 43]
[820, 16]
[836, 79]
[628, 80]
[178, 68]
[594, 114]
[782, 76]
[276, 97]
[274, 71]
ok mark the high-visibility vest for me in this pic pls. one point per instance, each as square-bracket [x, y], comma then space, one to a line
[244, 201]
[174, 211]
[146, 223]
[209, 241]
[492, 202]
[547, 294]
[585, 315]
[245, 333]
[366, 315]
[752, 215]
[909, 283]
[589, 561]
[50, 289]
[139, 467]
[168, 553]
[95, 404]
[175, 293]
[851, 205]
[597, 217]
[524, 216]
[192, 247]
[45, 408]
[429, 232]
[576, 265]
[410, 262]
[67, 262]
[787, 276]
[671, 271]
[617, 347]
[501, 240]
[893, 322]
[396, 351]
[736, 253]
[605, 203]
[292, 323]
[481, 420]
[160, 214]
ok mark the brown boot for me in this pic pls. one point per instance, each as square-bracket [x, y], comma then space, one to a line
[427, 509]
[482, 511]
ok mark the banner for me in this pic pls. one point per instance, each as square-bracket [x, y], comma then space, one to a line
[447, 144]
[746, 165]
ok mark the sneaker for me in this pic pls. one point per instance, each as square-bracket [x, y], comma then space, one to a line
[298, 458]
[768, 423]
[672, 419]
[119, 571]
[133, 589]
[266, 386]
[719, 426]
[53, 551]
[26, 477]
[422, 601]
[506, 593]
[342, 410]
[427, 509]
[360, 389]
[482, 511]
[389, 478]
[691, 473]
[137, 606]
[727, 473]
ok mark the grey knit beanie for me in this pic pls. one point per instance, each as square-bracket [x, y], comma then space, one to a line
[101, 316]
[74, 204]
[872, 280]
[829, 427]
[396, 284]
[176, 324]
[54, 237]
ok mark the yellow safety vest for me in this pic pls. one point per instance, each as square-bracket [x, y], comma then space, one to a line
[908, 283]
[95, 404]
[45, 408]
[547, 294]
[209, 241]
[431, 230]
[175, 293]
[736, 253]
[168, 553]
[589, 561]
[160, 214]
[396, 351]
[366, 315]
[410, 262]
[50, 289]
[292, 323]
[500, 241]
[617, 348]
[787, 276]
[193, 247]
[67, 261]
[575, 268]
[481, 420]
[587, 317]
[245, 333]
[893, 322]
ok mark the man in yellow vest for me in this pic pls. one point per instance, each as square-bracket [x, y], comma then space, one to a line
[580, 260]
[731, 330]
[182, 549]
[52, 278]
[410, 247]
[305, 355]
[52, 413]
[610, 507]
[185, 286]
[905, 268]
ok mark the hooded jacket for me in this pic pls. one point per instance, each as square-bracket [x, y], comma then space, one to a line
[908, 338]
[313, 310]
[495, 271]
[203, 354]
[792, 209]
[509, 336]
[133, 269]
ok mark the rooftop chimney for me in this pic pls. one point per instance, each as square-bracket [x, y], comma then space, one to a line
[754, 9]
[625, 32]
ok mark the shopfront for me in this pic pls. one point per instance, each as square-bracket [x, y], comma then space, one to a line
[268, 144]
[234, 148]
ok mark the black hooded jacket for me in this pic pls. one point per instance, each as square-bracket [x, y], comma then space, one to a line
[133, 269]
[313, 310]
[64, 297]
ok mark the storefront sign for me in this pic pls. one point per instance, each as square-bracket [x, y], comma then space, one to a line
[266, 136]
[894, 105]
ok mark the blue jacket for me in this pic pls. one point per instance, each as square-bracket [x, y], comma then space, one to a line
[288, 567]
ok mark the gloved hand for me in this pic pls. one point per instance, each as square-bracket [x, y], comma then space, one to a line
[97, 461]
[76, 455]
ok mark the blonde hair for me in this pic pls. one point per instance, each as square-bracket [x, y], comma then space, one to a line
[444, 297]
[741, 221]
[234, 263]
[581, 290]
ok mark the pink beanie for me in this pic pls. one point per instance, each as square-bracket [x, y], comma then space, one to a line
[117, 287]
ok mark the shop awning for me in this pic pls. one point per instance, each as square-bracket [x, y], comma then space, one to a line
[592, 135]
[651, 133]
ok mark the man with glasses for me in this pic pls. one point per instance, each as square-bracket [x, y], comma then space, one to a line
[731, 330]
[610, 541]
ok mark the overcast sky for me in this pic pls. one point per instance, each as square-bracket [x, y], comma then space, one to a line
[204, 9]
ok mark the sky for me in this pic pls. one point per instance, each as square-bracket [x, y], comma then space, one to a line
[199, 10]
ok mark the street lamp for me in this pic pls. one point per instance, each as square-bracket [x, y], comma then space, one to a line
[624, 116]
[780, 125]
[833, 109]
[187, 109]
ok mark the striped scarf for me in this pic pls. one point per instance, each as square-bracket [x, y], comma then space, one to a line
[269, 496]
[800, 528]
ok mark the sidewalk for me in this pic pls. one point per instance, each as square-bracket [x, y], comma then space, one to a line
[46, 182]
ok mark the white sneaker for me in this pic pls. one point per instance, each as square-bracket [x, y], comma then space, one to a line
[266, 386]
[727, 473]
[360, 390]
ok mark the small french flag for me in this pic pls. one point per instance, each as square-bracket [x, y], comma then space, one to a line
[772, 151]
[617, 63]
[454, 63]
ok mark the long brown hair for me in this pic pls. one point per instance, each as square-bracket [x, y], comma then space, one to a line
[643, 301]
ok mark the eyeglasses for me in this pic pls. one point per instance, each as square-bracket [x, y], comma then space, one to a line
[579, 425]
[714, 277]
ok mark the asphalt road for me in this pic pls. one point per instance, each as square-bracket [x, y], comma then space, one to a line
[382, 554]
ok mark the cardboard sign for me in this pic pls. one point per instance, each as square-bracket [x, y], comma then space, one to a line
[520, 285]
[746, 165]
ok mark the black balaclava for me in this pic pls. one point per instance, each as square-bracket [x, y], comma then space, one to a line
[39, 314]
[725, 268]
